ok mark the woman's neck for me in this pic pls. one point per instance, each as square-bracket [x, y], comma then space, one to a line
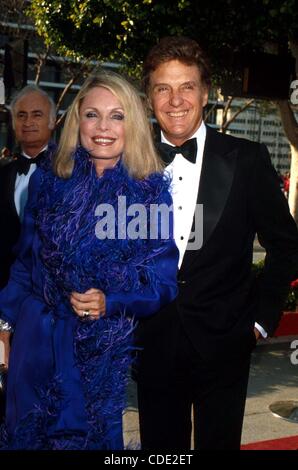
[102, 164]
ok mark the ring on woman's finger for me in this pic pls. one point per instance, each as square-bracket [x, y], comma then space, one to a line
[85, 313]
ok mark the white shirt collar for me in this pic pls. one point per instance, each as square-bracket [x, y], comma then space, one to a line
[28, 156]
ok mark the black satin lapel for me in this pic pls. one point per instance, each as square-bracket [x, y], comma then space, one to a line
[215, 184]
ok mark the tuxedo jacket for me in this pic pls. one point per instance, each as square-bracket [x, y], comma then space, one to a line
[9, 220]
[219, 298]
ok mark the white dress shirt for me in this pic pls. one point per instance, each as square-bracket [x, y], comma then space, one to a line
[21, 187]
[185, 183]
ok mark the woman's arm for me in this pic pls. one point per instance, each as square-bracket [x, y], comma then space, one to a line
[138, 302]
[153, 296]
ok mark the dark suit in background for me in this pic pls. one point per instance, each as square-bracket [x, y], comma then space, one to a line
[33, 118]
[9, 220]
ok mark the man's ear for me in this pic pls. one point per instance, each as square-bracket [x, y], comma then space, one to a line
[52, 124]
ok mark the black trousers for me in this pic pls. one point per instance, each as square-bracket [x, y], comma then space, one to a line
[216, 391]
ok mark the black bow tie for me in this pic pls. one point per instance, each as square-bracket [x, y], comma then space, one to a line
[188, 150]
[23, 163]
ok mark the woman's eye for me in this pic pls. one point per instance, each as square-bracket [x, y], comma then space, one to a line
[91, 114]
[118, 116]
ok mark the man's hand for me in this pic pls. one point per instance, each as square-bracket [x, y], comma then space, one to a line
[5, 343]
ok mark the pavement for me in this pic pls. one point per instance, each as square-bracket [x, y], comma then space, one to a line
[273, 377]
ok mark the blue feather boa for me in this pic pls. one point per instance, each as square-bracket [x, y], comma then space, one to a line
[75, 260]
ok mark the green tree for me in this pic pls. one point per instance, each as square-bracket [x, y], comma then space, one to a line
[110, 30]
[124, 30]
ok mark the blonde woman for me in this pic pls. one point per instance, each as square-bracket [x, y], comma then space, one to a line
[95, 256]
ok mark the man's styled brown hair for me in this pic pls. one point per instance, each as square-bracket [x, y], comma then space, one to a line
[180, 48]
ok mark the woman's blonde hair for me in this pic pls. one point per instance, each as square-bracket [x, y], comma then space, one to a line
[140, 157]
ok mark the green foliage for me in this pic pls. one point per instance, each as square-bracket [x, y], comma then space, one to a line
[124, 30]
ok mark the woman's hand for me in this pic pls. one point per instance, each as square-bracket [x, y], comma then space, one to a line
[5, 346]
[91, 304]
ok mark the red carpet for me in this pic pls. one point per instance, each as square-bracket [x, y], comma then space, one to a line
[285, 443]
[288, 325]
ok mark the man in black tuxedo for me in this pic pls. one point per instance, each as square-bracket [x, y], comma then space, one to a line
[196, 351]
[33, 118]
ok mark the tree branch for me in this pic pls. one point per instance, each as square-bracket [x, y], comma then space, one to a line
[63, 93]
[240, 110]
[41, 61]
[226, 109]
[60, 119]
[213, 107]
